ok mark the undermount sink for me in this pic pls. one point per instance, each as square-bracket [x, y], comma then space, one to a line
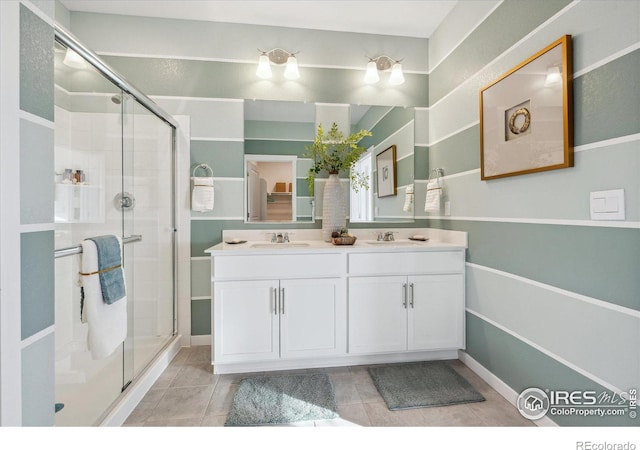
[279, 244]
[392, 243]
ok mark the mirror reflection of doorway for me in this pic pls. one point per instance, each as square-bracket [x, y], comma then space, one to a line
[270, 190]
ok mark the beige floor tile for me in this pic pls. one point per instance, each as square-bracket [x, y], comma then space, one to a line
[451, 416]
[183, 403]
[199, 354]
[354, 414]
[181, 357]
[221, 398]
[195, 375]
[145, 408]
[164, 381]
[213, 420]
[380, 416]
[368, 392]
[345, 391]
[168, 422]
[497, 412]
[360, 374]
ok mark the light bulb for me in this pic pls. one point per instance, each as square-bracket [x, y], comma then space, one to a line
[397, 77]
[72, 59]
[291, 72]
[264, 67]
[371, 76]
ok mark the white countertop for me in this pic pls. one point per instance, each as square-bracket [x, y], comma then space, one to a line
[303, 241]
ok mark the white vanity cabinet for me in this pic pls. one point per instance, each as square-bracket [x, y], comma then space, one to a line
[287, 317]
[409, 301]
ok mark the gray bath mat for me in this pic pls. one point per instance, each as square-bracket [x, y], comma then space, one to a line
[281, 399]
[422, 385]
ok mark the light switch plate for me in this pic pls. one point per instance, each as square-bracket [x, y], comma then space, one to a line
[607, 205]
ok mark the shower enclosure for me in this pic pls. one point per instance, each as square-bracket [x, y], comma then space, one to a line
[114, 164]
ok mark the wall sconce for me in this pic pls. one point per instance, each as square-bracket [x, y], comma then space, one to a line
[72, 59]
[382, 63]
[553, 76]
[278, 56]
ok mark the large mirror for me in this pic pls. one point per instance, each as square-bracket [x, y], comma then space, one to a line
[276, 188]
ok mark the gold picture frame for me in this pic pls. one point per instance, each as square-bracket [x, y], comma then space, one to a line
[526, 115]
[386, 171]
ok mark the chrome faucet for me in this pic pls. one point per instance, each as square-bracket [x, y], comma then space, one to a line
[280, 239]
[388, 236]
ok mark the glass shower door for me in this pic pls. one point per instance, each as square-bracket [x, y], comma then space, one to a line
[148, 184]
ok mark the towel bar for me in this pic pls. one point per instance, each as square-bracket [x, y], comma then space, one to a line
[76, 250]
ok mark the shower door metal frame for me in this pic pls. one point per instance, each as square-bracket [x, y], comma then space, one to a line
[67, 39]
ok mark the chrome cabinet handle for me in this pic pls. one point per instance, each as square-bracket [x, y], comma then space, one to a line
[404, 295]
[282, 301]
[275, 304]
[412, 294]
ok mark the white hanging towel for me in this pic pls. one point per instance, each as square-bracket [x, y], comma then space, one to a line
[434, 195]
[202, 195]
[107, 322]
[408, 199]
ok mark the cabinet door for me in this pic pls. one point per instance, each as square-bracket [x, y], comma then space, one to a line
[313, 318]
[436, 312]
[245, 319]
[377, 314]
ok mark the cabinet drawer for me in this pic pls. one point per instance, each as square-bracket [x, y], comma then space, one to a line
[404, 263]
[255, 266]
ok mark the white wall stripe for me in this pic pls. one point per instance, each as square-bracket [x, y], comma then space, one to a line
[420, 144]
[37, 336]
[202, 297]
[216, 139]
[510, 49]
[464, 38]
[37, 119]
[235, 179]
[550, 354]
[200, 258]
[38, 12]
[197, 99]
[404, 157]
[276, 139]
[35, 227]
[593, 301]
[239, 61]
[612, 57]
[217, 218]
[607, 142]
[575, 223]
[460, 130]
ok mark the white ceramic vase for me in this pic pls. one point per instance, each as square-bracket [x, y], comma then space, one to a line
[334, 210]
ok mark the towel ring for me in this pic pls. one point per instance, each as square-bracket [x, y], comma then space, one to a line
[202, 166]
[437, 171]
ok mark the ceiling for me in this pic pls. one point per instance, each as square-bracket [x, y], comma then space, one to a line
[416, 18]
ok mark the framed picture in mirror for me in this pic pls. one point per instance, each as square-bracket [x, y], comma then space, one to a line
[526, 121]
[386, 169]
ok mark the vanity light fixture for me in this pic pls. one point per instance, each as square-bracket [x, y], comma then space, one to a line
[278, 56]
[382, 63]
[72, 59]
[554, 76]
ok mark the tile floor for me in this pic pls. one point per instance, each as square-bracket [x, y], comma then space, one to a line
[189, 394]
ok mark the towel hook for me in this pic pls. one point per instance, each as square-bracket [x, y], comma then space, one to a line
[202, 166]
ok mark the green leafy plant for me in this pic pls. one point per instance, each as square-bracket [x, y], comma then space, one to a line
[334, 152]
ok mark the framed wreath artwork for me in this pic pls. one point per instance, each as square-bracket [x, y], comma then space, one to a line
[526, 117]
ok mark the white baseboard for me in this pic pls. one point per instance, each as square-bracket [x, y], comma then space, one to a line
[500, 386]
[204, 339]
[139, 387]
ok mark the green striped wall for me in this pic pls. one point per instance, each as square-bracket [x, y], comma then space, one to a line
[542, 276]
